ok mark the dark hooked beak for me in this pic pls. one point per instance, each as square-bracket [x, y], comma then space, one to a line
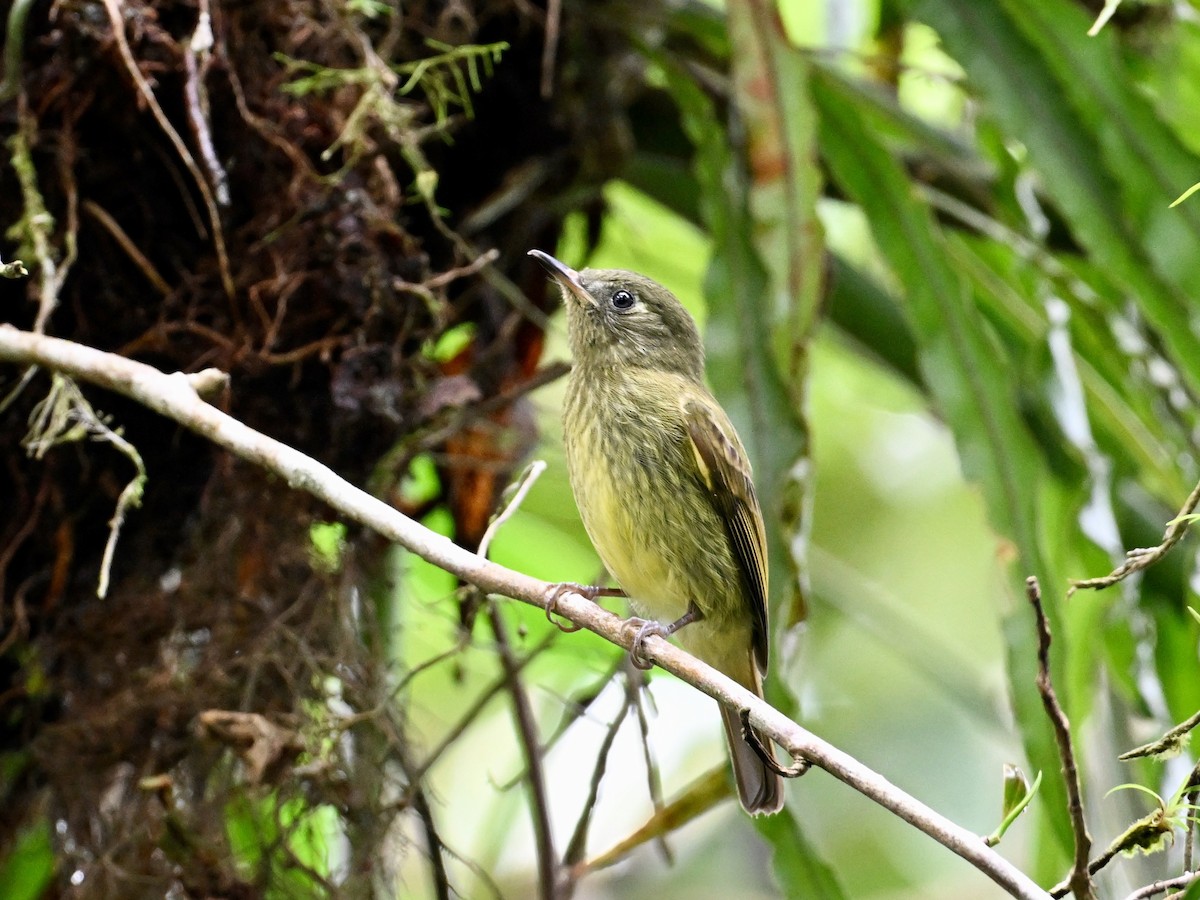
[566, 276]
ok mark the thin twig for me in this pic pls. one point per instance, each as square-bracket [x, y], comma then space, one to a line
[1189, 841]
[11, 397]
[1161, 887]
[126, 243]
[197, 59]
[539, 801]
[477, 870]
[1146, 832]
[442, 279]
[118, 25]
[1110, 853]
[32, 514]
[519, 489]
[433, 841]
[696, 799]
[1191, 792]
[434, 846]
[1080, 879]
[576, 709]
[1143, 557]
[577, 846]
[522, 708]
[550, 46]
[173, 396]
[635, 681]
[472, 713]
[427, 664]
[1171, 742]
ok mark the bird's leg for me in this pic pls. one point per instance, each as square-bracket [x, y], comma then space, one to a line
[636, 655]
[590, 591]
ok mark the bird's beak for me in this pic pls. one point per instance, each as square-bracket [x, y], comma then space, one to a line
[567, 277]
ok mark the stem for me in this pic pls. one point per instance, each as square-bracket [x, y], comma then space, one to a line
[1080, 879]
[539, 801]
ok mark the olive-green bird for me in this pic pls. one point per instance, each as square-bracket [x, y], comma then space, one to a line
[664, 487]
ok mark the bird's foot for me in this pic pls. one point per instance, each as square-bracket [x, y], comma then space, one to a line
[590, 591]
[637, 651]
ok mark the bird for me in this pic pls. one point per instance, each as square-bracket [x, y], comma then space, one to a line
[665, 490]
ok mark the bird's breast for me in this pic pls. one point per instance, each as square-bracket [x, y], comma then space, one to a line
[641, 502]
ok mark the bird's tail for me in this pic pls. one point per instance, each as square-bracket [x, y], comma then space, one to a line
[759, 788]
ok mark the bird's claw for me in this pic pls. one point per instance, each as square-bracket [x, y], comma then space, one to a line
[637, 654]
[555, 594]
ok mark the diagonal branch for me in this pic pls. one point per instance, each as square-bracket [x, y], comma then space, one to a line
[173, 396]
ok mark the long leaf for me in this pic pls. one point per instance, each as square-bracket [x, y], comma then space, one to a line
[967, 373]
[1108, 163]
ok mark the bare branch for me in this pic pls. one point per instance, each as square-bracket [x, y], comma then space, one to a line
[539, 802]
[1170, 743]
[1143, 557]
[173, 396]
[1080, 879]
[1161, 887]
[126, 243]
[474, 710]
[577, 846]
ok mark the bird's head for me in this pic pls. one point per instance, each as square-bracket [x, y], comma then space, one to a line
[621, 319]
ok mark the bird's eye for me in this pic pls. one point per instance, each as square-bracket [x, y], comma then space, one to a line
[622, 300]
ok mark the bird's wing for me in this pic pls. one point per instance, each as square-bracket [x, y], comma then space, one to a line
[725, 473]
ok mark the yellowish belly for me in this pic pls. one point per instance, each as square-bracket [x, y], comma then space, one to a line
[633, 556]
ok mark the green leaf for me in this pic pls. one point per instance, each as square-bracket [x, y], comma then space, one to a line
[1195, 187]
[29, 868]
[272, 839]
[969, 377]
[1104, 157]
[799, 870]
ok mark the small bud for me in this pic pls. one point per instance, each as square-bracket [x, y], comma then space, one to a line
[1017, 794]
[1016, 789]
